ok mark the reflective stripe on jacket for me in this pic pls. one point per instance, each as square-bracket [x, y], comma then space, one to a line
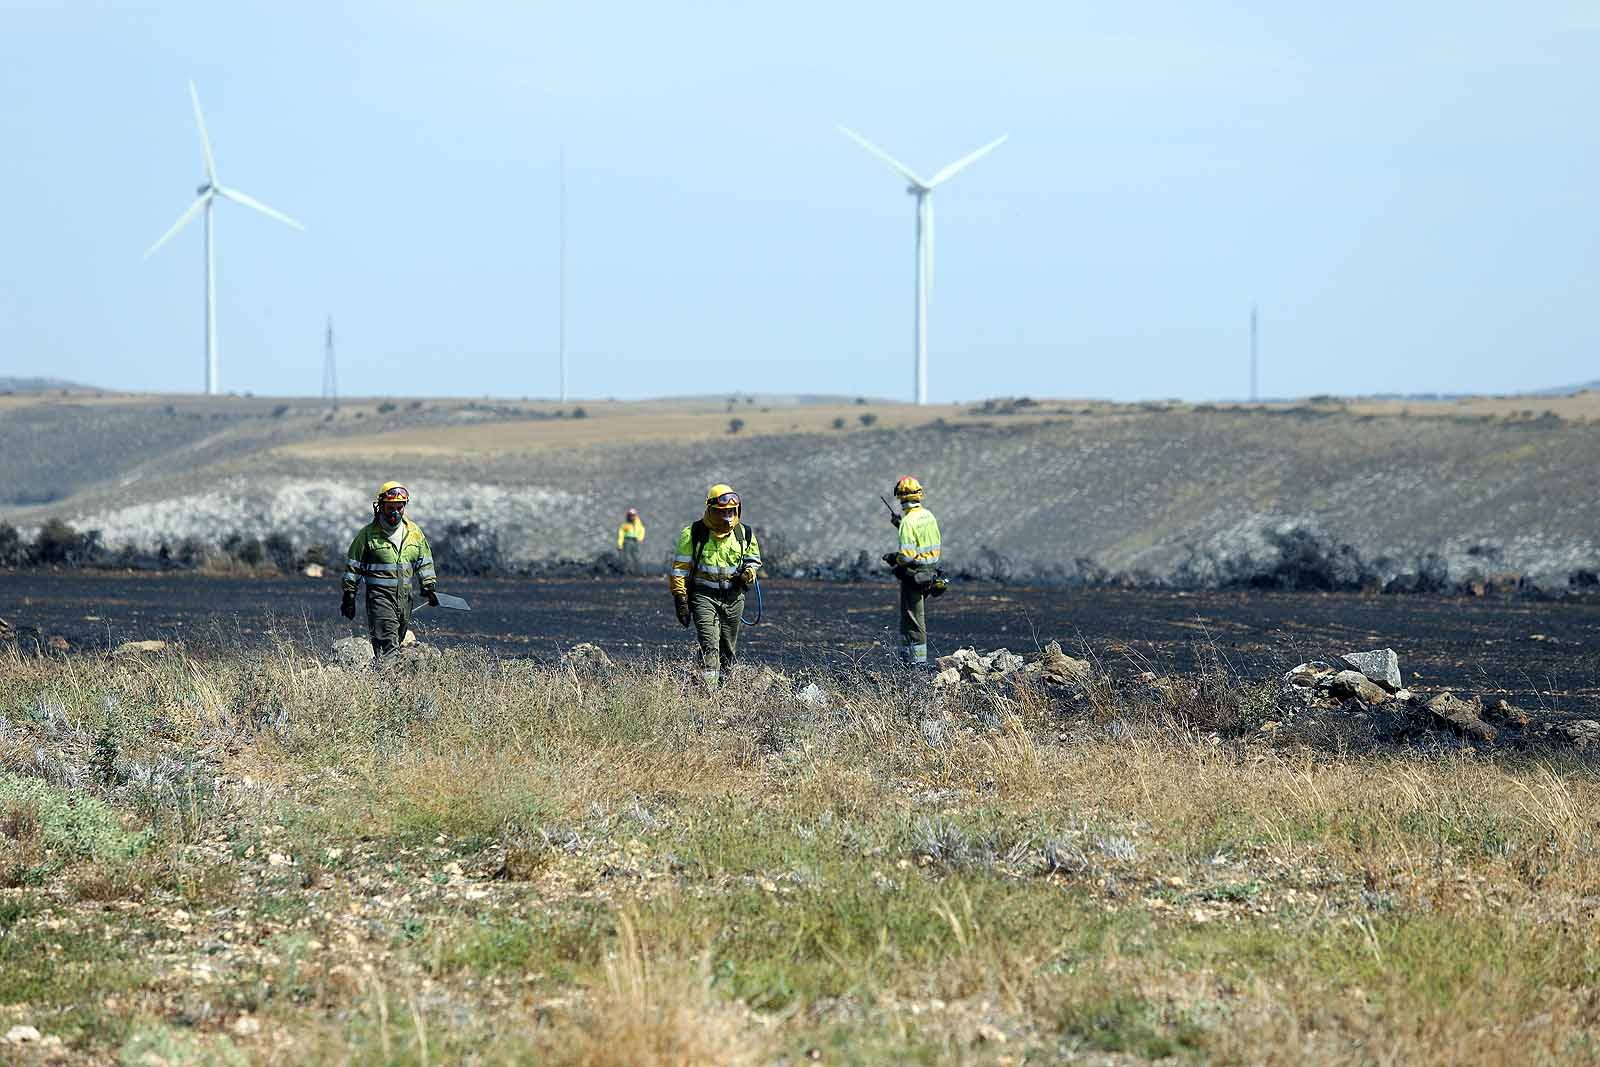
[630, 531]
[720, 559]
[919, 538]
[374, 559]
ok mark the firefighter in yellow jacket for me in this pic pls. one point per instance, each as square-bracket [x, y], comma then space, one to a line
[717, 559]
[916, 564]
[387, 553]
[630, 541]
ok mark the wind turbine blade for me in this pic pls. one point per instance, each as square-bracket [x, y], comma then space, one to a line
[964, 161]
[905, 171]
[183, 220]
[251, 202]
[205, 141]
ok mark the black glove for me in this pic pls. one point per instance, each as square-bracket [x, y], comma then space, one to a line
[895, 520]
[681, 605]
[347, 606]
[433, 598]
[891, 558]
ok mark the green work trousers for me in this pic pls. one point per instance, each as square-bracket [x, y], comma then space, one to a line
[716, 624]
[388, 618]
[632, 557]
[913, 627]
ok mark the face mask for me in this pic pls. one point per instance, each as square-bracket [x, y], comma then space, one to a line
[390, 518]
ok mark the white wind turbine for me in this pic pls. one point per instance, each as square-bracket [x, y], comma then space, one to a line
[922, 189]
[206, 199]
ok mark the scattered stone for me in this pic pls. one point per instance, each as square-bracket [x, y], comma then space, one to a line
[313, 570]
[1002, 661]
[7, 631]
[812, 696]
[1507, 713]
[965, 660]
[1354, 684]
[22, 1035]
[247, 1025]
[1462, 716]
[1405, 696]
[353, 652]
[133, 648]
[1058, 668]
[409, 639]
[586, 658]
[1308, 675]
[57, 643]
[1052, 667]
[1579, 732]
[1380, 665]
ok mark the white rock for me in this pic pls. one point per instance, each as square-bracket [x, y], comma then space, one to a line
[1380, 665]
[22, 1035]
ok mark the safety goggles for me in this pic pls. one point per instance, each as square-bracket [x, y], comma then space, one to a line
[726, 500]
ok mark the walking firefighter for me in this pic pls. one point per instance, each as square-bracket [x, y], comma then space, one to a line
[717, 559]
[387, 554]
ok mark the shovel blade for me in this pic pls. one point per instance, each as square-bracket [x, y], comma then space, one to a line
[454, 603]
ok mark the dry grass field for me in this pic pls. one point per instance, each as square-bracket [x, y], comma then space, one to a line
[254, 857]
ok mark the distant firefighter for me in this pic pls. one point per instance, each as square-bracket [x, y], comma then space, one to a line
[916, 564]
[387, 553]
[717, 560]
[630, 542]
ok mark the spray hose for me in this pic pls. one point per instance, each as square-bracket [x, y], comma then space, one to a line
[757, 619]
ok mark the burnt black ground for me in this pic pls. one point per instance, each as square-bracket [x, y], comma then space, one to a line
[1476, 646]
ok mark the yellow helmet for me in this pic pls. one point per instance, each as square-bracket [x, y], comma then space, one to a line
[722, 508]
[390, 491]
[908, 488]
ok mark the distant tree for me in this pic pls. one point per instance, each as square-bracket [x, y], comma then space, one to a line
[735, 425]
[868, 419]
[386, 407]
[579, 413]
[838, 423]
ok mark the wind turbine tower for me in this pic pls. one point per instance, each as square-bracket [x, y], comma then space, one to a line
[922, 189]
[330, 371]
[206, 200]
[1255, 360]
[561, 298]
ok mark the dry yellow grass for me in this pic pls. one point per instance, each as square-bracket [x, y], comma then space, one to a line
[489, 861]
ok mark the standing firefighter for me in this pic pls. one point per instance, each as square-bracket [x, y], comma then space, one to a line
[916, 564]
[716, 561]
[386, 554]
[630, 541]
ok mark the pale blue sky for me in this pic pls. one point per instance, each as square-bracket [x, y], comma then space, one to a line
[1411, 192]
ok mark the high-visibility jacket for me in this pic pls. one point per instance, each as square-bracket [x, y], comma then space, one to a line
[630, 531]
[721, 557]
[919, 539]
[374, 560]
